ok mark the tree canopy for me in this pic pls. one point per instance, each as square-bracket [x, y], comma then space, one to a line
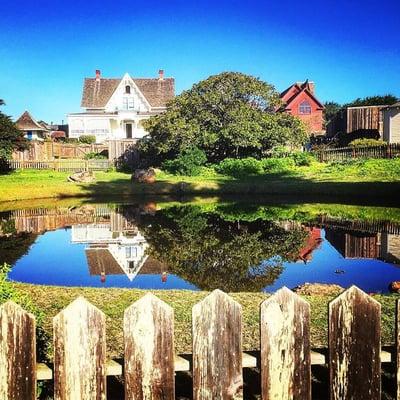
[10, 137]
[381, 100]
[226, 115]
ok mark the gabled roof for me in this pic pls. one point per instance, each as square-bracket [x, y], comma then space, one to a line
[97, 92]
[395, 105]
[27, 123]
[289, 95]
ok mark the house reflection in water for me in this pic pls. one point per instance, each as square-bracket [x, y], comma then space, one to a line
[114, 248]
[355, 244]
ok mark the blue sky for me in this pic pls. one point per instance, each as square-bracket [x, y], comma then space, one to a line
[349, 48]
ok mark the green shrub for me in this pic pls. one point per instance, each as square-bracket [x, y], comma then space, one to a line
[279, 152]
[87, 139]
[274, 164]
[364, 142]
[188, 163]
[240, 167]
[302, 159]
[95, 156]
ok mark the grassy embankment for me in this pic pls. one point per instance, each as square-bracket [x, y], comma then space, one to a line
[369, 178]
[50, 300]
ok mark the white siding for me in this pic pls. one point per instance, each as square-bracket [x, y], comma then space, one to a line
[395, 128]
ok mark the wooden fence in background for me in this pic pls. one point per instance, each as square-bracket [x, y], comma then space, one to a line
[391, 150]
[48, 151]
[81, 367]
[63, 165]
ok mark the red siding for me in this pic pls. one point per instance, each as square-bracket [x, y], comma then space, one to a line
[313, 121]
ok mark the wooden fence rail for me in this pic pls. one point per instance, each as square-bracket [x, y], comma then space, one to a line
[391, 150]
[80, 366]
[63, 165]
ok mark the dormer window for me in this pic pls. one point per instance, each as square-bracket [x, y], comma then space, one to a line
[305, 108]
[127, 89]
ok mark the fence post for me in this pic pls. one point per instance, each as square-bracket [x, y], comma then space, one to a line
[149, 350]
[217, 348]
[354, 346]
[17, 353]
[285, 347]
[79, 352]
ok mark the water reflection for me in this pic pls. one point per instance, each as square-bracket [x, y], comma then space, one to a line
[227, 246]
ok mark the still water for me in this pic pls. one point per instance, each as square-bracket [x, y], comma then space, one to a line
[203, 246]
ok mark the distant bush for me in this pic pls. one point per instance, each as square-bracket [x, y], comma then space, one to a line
[364, 142]
[275, 164]
[95, 156]
[302, 158]
[87, 139]
[240, 167]
[69, 140]
[189, 162]
[279, 152]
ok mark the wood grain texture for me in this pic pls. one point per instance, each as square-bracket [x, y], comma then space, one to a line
[285, 347]
[149, 350]
[17, 353]
[354, 346]
[217, 348]
[79, 352]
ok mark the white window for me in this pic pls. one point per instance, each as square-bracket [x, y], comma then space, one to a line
[127, 103]
[305, 108]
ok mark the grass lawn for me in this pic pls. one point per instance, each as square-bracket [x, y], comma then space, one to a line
[50, 300]
[379, 178]
[36, 184]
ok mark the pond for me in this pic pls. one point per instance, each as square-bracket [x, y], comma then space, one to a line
[203, 245]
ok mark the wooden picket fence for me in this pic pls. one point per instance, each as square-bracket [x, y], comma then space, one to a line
[63, 165]
[391, 150]
[81, 367]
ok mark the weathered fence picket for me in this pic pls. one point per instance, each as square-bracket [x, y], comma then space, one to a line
[217, 348]
[397, 344]
[285, 347]
[17, 353]
[149, 350]
[80, 367]
[354, 346]
[79, 352]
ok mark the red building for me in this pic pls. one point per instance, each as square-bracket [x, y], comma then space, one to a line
[299, 100]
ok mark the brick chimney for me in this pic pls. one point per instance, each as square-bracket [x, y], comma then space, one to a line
[161, 74]
[311, 87]
[98, 74]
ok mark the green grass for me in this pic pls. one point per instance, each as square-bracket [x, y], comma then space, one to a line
[51, 300]
[379, 178]
[35, 184]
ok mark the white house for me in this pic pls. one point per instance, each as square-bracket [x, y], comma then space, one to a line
[33, 130]
[391, 123]
[116, 107]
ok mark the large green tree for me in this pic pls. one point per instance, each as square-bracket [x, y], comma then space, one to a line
[10, 137]
[226, 115]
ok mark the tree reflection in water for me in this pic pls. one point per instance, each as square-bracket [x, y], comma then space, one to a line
[211, 252]
[13, 244]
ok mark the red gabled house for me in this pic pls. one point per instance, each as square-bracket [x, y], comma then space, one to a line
[300, 100]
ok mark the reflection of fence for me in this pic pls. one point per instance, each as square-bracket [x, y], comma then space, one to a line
[80, 366]
[360, 226]
[63, 165]
[391, 150]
